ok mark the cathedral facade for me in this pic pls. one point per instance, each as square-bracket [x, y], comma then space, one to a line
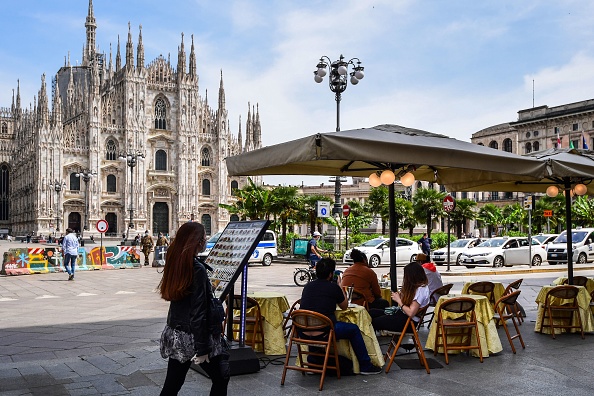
[131, 143]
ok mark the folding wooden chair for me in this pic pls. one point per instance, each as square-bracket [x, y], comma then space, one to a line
[287, 317]
[484, 288]
[577, 281]
[254, 323]
[398, 337]
[433, 298]
[321, 343]
[504, 310]
[563, 311]
[515, 285]
[463, 326]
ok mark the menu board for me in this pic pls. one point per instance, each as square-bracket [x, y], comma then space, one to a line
[231, 252]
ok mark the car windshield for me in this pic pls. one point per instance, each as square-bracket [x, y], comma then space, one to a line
[493, 242]
[541, 238]
[576, 236]
[372, 242]
[214, 238]
[459, 243]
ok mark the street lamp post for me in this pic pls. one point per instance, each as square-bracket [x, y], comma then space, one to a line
[131, 158]
[338, 82]
[86, 175]
[58, 186]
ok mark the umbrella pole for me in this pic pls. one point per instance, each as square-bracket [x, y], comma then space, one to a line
[567, 182]
[393, 231]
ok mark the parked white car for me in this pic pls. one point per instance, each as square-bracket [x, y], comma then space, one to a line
[497, 252]
[377, 251]
[582, 246]
[439, 256]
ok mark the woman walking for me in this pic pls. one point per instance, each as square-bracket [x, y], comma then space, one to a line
[193, 331]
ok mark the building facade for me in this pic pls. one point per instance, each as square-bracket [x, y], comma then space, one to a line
[61, 159]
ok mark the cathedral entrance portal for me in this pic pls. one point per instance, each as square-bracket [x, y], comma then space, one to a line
[112, 224]
[74, 221]
[160, 218]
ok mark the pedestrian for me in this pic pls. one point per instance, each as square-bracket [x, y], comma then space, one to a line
[70, 249]
[425, 244]
[147, 246]
[314, 253]
[193, 331]
[161, 240]
[29, 238]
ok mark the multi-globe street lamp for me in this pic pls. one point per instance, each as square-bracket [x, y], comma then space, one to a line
[338, 82]
[86, 175]
[131, 158]
[58, 186]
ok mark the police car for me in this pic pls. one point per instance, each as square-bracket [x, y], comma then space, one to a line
[265, 252]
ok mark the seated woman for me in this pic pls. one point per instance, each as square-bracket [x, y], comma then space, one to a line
[413, 296]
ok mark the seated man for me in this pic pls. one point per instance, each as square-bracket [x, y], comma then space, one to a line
[322, 295]
[433, 275]
[364, 280]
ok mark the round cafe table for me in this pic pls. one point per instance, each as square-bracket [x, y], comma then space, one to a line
[272, 306]
[583, 302]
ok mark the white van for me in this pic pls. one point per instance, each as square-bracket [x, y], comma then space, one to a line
[583, 247]
[265, 252]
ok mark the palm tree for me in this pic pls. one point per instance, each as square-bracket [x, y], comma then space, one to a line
[309, 203]
[252, 202]
[428, 206]
[359, 217]
[377, 205]
[516, 215]
[284, 203]
[464, 210]
[583, 210]
[491, 216]
[405, 216]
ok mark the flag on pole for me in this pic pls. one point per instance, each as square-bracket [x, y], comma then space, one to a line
[558, 140]
[584, 144]
[571, 144]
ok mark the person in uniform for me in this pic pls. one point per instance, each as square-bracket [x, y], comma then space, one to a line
[147, 246]
[161, 240]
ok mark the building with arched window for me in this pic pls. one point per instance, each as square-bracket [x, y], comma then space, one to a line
[91, 114]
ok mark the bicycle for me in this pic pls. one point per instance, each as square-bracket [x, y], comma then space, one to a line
[302, 276]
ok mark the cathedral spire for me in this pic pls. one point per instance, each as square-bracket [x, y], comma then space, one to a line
[181, 59]
[91, 25]
[18, 98]
[239, 137]
[118, 56]
[192, 60]
[257, 128]
[140, 50]
[110, 67]
[221, 93]
[249, 134]
[57, 105]
[129, 50]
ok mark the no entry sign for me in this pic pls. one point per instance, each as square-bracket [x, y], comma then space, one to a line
[449, 203]
[346, 210]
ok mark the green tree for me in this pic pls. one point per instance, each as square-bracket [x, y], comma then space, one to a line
[252, 202]
[308, 205]
[377, 204]
[491, 216]
[514, 217]
[465, 210]
[428, 206]
[583, 211]
[284, 203]
[405, 216]
[359, 217]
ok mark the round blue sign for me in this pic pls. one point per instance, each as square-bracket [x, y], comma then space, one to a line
[323, 211]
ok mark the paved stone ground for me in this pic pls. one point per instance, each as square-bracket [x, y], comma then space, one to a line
[98, 335]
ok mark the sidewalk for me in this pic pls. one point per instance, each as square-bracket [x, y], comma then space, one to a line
[98, 335]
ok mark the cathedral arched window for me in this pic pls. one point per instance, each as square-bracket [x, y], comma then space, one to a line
[206, 222]
[205, 187]
[161, 160]
[234, 187]
[494, 145]
[111, 150]
[160, 114]
[535, 146]
[205, 157]
[74, 182]
[507, 145]
[111, 183]
[4, 128]
[528, 148]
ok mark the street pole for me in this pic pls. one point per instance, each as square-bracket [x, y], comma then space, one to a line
[86, 175]
[449, 235]
[131, 158]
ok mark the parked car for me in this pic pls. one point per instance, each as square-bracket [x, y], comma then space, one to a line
[545, 239]
[265, 252]
[582, 246]
[439, 256]
[497, 252]
[377, 251]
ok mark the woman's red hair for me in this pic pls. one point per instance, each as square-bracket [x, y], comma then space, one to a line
[179, 269]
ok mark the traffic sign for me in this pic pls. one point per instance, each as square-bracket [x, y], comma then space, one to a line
[346, 210]
[547, 213]
[528, 202]
[323, 208]
[102, 226]
[449, 203]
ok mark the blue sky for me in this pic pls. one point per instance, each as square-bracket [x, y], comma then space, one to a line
[452, 67]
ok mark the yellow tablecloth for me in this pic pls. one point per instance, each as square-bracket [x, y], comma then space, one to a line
[490, 342]
[583, 302]
[387, 294]
[589, 283]
[359, 316]
[497, 291]
[272, 306]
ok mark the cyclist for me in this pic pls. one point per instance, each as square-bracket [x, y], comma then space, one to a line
[314, 253]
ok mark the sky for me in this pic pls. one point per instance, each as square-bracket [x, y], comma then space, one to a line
[450, 67]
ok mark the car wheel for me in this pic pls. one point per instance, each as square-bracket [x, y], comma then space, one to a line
[267, 260]
[470, 266]
[498, 262]
[459, 259]
[374, 261]
[536, 260]
[582, 259]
